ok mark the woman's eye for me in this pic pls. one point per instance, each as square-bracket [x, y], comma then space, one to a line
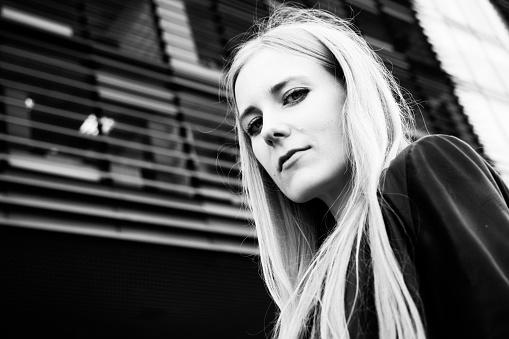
[254, 126]
[295, 96]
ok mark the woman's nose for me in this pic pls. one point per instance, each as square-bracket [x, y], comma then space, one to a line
[274, 130]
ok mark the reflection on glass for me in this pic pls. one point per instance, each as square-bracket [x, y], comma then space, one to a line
[469, 36]
[36, 21]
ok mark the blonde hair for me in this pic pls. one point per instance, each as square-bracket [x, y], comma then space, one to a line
[307, 281]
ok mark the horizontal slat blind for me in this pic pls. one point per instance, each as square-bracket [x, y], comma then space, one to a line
[102, 137]
[124, 26]
[198, 95]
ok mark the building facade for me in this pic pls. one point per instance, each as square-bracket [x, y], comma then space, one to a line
[121, 208]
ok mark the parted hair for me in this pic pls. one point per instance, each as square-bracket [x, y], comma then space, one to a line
[307, 277]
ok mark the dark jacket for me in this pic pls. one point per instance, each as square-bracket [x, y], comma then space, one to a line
[447, 216]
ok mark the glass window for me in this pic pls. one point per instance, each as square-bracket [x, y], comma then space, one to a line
[449, 10]
[46, 101]
[60, 17]
[206, 33]
[36, 21]
[471, 50]
[498, 59]
[124, 26]
[213, 141]
[147, 140]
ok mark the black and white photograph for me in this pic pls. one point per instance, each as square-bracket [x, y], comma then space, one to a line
[254, 169]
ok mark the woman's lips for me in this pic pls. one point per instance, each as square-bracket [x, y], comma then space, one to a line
[288, 155]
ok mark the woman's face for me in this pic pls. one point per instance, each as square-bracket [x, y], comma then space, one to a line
[290, 107]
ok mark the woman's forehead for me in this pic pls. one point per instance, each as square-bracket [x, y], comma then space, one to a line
[268, 65]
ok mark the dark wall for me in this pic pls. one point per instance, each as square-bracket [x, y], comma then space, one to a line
[73, 286]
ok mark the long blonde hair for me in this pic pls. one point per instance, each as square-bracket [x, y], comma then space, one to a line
[307, 281]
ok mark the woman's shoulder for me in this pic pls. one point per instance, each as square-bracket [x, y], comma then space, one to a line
[442, 177]
[435, 147]
[438, 154]
[436, 173]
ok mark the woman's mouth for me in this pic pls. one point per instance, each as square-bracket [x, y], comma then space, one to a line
[288, 155]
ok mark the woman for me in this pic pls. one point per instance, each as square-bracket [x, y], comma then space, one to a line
[361, 235]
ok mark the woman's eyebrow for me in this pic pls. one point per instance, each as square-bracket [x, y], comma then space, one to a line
[277, 87]
[248, 110]
[272, 90]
